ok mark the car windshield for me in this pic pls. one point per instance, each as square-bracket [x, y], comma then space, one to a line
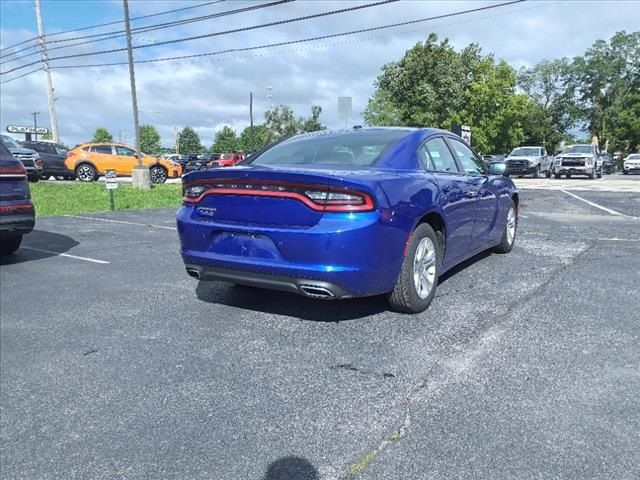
[579, 149]
[525, 151]
[634, 157]
[348, 148]
[9, 142]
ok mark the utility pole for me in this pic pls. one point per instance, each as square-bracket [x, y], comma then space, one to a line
[251, 108]
[140, 174]
[45, 64]
[35, 123]
[175, 129]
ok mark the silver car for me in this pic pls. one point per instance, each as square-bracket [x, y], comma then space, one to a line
[578, 160]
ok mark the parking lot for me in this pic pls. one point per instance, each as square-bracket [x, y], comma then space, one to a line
[116, 364]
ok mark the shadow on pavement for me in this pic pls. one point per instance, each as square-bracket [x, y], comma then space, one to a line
[289, 304]
[39, 240]
[291, 468]
[464, 265]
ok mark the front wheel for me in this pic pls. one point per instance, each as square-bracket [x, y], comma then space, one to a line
[548, 174]
[418, 277]
[157, 174]
[86, 173]
[536, 172]
[509, 233]
[9, 244]
[556, 176]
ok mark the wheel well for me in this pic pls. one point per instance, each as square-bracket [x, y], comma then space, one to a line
[158, 165]
[436, 222]
[85, 162]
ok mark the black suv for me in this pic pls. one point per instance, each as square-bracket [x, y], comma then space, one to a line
[53, 156]
[17, 215]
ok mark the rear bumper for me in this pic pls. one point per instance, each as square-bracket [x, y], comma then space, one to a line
[308, 287]
[348, 255]
[16, 218]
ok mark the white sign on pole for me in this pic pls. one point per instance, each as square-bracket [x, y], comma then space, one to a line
[110, 181]
[344, 109]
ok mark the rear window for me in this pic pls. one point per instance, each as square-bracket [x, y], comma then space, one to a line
[349, 148]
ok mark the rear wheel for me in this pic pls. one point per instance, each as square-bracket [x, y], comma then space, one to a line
[599, 174]
[568, 176]
[9, 244]
[592, 175]
[548, 173]
[86, 173]
[509, 233]
[418, 278]
[158, 174]
[556, 176]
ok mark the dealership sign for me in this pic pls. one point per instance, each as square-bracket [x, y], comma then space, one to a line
[17, 129]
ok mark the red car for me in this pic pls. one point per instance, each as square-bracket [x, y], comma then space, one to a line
[226, 160]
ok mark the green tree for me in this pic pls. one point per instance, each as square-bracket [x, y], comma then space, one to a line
[608, 77]
[149, 139]
[47, 136]
[381, 111]
[225, 140]
[281, 122]
[551, 85]
[189, 141]
[253, 138]
[312, 124]
[433, 85]
[102, 135]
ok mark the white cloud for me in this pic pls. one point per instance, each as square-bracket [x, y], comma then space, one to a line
[209, 92]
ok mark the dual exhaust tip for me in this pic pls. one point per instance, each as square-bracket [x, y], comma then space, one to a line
[308, 290]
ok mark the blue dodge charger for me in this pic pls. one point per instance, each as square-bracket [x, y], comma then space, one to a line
[339, 214]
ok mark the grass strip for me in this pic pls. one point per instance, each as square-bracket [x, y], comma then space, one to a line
[58, 198]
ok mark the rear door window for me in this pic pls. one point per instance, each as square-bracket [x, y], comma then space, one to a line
[440, 156]
[102, 149]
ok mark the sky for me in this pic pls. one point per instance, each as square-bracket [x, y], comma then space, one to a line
[209, 92]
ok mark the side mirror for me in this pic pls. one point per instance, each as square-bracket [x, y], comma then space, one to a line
[497, 168]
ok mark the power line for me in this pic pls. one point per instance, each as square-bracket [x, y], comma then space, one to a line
[23, 75]
[113, 23]
[145, 29]
[226, 32]
[303, 40]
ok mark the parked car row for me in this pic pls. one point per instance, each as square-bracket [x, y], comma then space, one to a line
[17, 215]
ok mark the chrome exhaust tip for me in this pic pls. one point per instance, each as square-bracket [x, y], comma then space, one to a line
[192, 272]
[315, 291]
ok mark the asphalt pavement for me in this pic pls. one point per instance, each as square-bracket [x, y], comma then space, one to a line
[115, 364]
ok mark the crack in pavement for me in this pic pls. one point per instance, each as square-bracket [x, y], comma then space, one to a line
[454, 363]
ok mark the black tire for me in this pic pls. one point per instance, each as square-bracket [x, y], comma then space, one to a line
[592, 175]
[548, 173]
[568, 175]
[86, 173]
[536, 172]
[405, 297]
[507, 240]
[556, 176]
[34, 178]
[158, 174]
[599, 174]
[624, 172]
[9, 244]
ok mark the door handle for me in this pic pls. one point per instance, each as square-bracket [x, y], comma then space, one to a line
[471, 195]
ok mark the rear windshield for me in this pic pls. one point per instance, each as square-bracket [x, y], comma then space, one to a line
[348, 148]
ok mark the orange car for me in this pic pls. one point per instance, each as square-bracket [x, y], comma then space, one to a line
[90, 160]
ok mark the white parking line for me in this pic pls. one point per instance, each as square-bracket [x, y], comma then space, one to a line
[67, 255]
[121, 221]
[605, 209]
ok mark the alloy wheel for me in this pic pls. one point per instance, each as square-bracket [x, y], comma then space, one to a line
[424, 268]
[511, 225]
[158, 175]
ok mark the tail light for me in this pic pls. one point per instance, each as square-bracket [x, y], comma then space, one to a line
[70, 154]
[317, 197]
[13, 171]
